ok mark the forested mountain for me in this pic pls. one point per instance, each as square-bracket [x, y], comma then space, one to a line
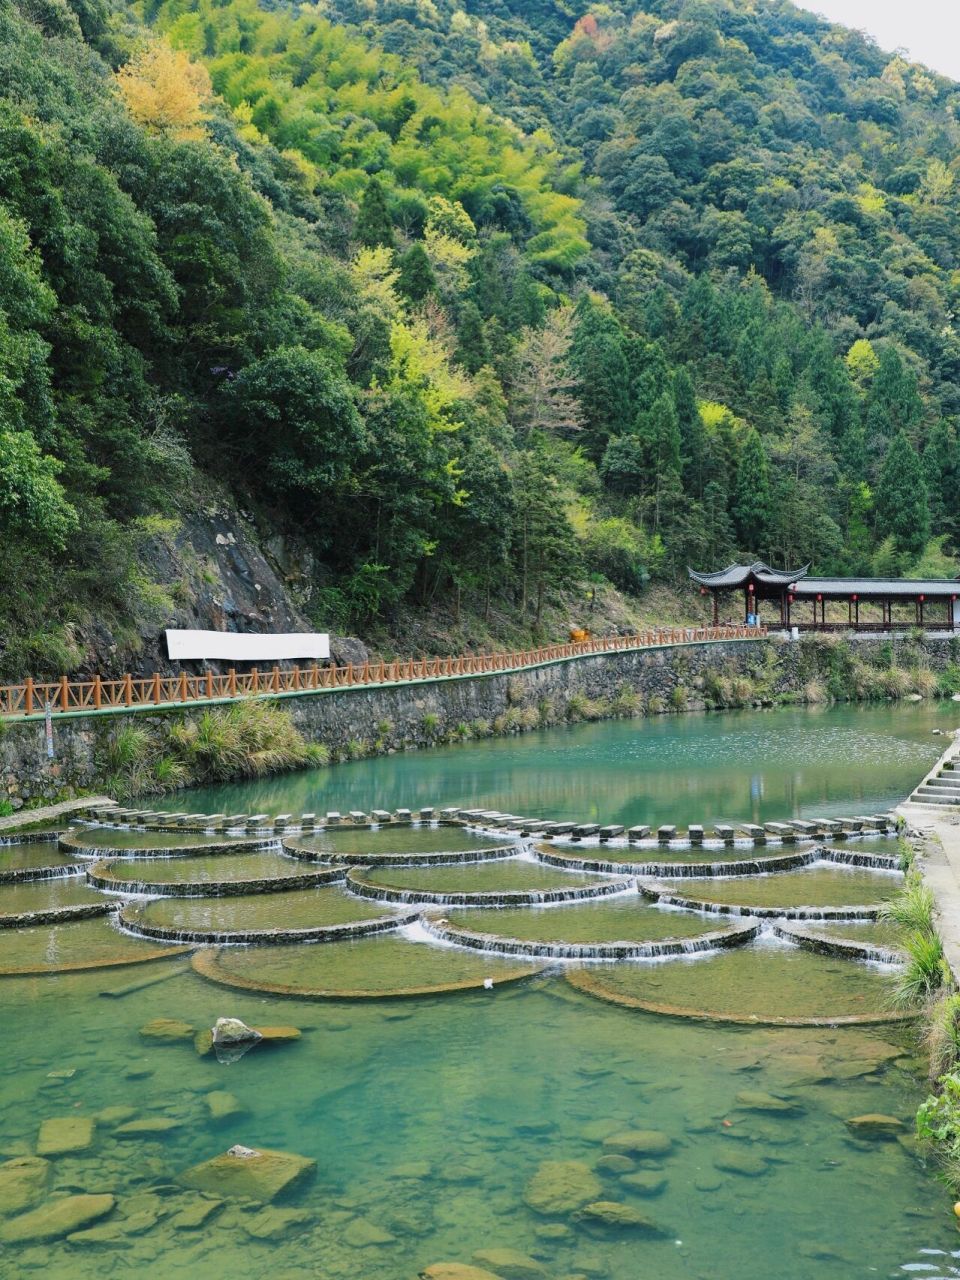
[463, 304]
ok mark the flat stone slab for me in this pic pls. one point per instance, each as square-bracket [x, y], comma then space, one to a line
[166, 1030]
[65, 1134]
[248, 1173]
[23, 1181]
[148, 1127]
[56, 1218]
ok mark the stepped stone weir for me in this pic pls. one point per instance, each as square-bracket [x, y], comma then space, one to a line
[361, 882]
[676, 870]
[847, 948]
[264, 877]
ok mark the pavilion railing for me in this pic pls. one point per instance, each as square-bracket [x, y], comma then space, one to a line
[32, 697]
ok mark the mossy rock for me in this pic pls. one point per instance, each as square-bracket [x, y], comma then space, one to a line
[638, 1142]
[616, 1215]
[167, 1030]
[646, 1182]
[744, 1163]
[875, 1125]
[56, 1218]
[64, 1135]
[245, 1173]
[457, 1271]
[511, 1264]
[23, 1181]
[560, 1186]
[757, 1100]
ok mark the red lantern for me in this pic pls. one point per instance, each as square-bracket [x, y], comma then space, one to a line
[854, 596]
[819, 596]
[790, 598]
[920, 599]
[750, 588]
[703, 591]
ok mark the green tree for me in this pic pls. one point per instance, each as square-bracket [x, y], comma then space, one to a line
[599, 363]
[752, 499]
[32, 501]
[292, 425]
[901, 501]
[416, 280]
[374, 225]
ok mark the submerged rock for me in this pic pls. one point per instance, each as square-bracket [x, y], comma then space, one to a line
[361, 1233]
[65, 1134]
[56, 1218]
[611, 1213]
[195, 1214]
[638, 1142]
[148, 1127]
[560, 1186]
[274, 1224]
[223, 1107]
[875, 1125]
[647, 1182]
[745, 1163]
[457, 1271]
[510, 1263]
[22, 1183]
[110, 1117]
[246, 1173]
[756, 1100]
[615, 1164]
[167, 1030]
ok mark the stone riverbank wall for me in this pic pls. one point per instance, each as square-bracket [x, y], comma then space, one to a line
[357, 721]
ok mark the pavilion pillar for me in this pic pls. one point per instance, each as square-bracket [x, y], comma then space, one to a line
[856, 614]
[716, 615]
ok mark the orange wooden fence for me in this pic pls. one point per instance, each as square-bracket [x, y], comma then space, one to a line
[65, 695]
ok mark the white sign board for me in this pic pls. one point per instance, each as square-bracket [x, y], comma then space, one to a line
[232, 646]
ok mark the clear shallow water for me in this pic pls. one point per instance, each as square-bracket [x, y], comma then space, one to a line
[211, 869]
[621, 918]
[815, 886]
[428, 1118]
[763, 979]
[300, 909]
[731, 766]
[385, 841]
[78, 943]
[498, 876]
[106, 838]
[42, 895]
[25, 857]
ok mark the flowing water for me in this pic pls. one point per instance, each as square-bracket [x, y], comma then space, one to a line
[461, 1103]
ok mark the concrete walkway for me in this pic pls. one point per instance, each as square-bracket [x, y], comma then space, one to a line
[28, 817]
[940, 865]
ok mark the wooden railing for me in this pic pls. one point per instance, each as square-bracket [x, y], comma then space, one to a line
[129, 692]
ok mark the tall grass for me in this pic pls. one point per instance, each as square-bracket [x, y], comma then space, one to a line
[247, 739]
[925, 971]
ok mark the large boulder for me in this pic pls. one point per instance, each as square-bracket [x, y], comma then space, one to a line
[245, 1173]
[56, 1218]
[345, 650]
[511, 1264]
[560, 1186]
[229, 1032]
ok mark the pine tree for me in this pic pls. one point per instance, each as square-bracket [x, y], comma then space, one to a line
[473, 351]
[598, 359]
[374, 226]
[941, 472]
[901, 502]
[416, 280]
[752, 505]
[894, 403]
[693, 440]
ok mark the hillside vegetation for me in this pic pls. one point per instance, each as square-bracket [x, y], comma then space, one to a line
[469, 312]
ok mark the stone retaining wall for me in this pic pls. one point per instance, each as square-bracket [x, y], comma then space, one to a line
[421, 714]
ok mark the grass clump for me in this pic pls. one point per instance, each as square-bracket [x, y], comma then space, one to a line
[925, 972]
[247, 739]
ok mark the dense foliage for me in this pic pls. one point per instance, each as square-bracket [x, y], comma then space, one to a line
[466, 304]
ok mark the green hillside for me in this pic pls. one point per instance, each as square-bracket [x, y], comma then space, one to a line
[469, 308]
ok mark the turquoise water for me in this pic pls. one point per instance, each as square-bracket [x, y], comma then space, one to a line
[446, 1118]
[733, 766]
[429, 1118]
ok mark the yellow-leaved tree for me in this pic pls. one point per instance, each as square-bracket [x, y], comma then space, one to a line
[165, 91]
